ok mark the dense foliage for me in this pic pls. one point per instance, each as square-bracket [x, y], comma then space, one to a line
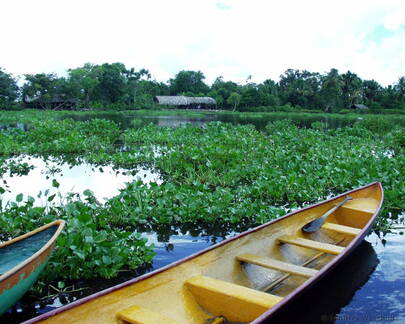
[116, 87]
[215, 174]
[8, 90]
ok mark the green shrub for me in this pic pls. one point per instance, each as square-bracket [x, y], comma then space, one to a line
[397, 138]
[318, 125]
[375, 125]
[286, 108]
[280, 126]
[88, 247]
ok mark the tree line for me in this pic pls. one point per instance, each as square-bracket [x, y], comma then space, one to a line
[114, 86]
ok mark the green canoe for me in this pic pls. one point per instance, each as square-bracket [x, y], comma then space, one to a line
[22, 259]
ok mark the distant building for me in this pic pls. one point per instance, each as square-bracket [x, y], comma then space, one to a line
[56, 103]
[358, 106]
[186, 102]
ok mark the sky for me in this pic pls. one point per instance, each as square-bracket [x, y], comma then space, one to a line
[234, 39]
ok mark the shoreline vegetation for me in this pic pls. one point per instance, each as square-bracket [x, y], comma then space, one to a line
[113, 86]
[27, 116]
[218, 173]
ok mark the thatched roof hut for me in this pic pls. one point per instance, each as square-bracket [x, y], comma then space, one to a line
[56, 103]
[186, 102]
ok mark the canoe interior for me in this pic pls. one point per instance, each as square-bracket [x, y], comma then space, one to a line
[16, 253]
[240, 278]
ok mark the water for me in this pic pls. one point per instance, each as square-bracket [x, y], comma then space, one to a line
[368, 287]
[198, 118]
[104, 181]
[127, 120]
[383, 296]
[20, 126]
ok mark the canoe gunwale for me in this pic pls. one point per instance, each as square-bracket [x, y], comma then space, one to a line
[331, 265]
[36, 255]
[261, 319]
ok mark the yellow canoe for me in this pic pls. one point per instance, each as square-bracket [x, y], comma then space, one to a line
[247, 278]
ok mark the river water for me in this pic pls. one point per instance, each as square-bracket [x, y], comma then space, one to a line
[104, 181]
[259, 120]
[369, 287]
[198, 118]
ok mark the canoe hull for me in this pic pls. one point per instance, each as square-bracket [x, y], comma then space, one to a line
[184, 290]
[18, 285]
[18, 280]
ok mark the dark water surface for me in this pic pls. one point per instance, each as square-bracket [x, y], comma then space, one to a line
[198, 117]
[260, 121]
[368, 287]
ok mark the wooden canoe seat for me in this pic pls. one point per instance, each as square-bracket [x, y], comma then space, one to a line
[236, 303]
[277, 265]
[341, 229]
[357, 209]
[362, 205]
[320, 246]
[139, 315]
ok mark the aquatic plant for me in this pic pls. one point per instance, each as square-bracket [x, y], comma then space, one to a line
[88, 247]
[217, 173]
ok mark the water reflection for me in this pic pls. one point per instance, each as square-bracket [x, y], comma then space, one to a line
[259, 120]
[175, 121]
[369, 286]
[104, 181]
[126, 120]
[369, 283]
[323, 302]
[382, 298]
[20, 126]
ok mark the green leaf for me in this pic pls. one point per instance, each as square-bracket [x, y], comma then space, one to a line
[55, 183]
[101, 237]
[80, 254]
[84, 218]
[106, 259]
[89, 239]
[19, 197]
[88, 193]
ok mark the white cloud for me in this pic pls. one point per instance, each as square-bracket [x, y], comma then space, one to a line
[395, 19]
[231, 38]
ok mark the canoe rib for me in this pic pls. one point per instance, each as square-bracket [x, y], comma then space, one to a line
[341, 228]
[234, 302]
[277, 265]
[286, 276]
[320, 246]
